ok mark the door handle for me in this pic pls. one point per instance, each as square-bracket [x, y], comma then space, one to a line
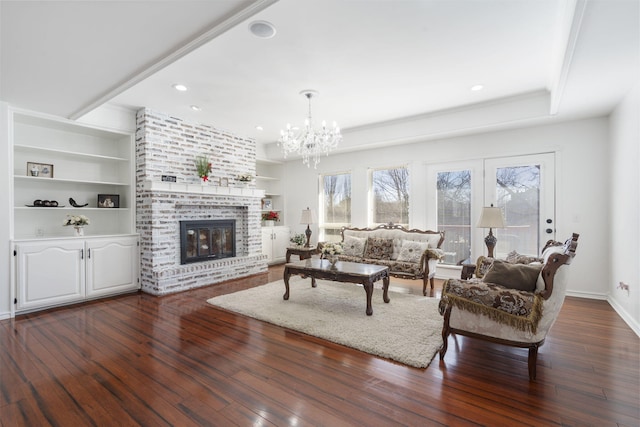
[548, 231]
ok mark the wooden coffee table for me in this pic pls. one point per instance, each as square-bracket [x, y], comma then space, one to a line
[351, 272]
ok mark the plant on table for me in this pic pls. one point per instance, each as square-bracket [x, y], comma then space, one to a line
[329, 250]
[298, 239]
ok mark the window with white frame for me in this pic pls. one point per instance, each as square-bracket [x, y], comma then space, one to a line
[454, 214]
[335, 205]
[390, 196]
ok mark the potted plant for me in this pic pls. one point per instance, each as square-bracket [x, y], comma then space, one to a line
[270, 218]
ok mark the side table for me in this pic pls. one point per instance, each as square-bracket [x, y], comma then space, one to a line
[467, 271]
[301, 251]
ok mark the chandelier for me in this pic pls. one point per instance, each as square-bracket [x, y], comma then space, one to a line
[310, 143]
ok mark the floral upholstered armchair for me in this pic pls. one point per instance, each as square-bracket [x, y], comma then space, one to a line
[514, 304]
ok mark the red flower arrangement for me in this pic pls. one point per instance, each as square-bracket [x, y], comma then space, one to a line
[271, 216]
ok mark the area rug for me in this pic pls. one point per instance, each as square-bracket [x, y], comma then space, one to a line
[407, 330]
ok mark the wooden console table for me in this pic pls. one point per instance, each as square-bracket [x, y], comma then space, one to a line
[351, 272]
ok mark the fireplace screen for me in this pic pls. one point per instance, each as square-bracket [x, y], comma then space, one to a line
[207, 240]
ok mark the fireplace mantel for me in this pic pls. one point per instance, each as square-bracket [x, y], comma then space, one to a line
[206, 189]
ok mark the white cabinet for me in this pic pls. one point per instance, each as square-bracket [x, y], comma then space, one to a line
[49, 273]
[55, 272]
[112, 266]
[57, 160]
[274, 243]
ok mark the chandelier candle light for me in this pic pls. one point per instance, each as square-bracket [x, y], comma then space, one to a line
[310, 143]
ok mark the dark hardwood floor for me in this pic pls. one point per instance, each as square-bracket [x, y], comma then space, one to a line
[154, 361]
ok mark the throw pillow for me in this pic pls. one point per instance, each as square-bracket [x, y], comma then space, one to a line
[378, 248]
[411, 251]
[483, 264]
[516, 258]
[354, 246]
[513, 276]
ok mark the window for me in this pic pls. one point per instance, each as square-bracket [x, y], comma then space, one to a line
[390, 196]
[454, 214]
[335, 211]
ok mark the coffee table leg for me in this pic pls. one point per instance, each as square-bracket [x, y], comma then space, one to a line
[385, 289]
[286, 283]
[368, 288]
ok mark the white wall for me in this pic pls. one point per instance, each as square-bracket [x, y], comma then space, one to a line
[6, 168]
[582, 184]
[625, 212]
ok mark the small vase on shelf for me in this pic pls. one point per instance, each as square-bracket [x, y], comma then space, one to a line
[79, 231]
[269, 223]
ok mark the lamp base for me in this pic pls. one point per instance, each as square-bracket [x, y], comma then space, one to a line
[490, 241]
[307, 232]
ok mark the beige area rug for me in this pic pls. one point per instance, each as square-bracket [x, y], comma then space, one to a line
[407, 330]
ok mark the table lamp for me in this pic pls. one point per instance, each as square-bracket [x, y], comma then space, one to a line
[491, 218]
[307, 217]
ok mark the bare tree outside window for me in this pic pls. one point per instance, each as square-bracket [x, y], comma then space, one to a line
[391, 196]
[518, 194]
[454, 215]
[336, 205]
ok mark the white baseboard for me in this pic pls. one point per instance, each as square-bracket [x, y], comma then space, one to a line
[633, 324]
[588, 295]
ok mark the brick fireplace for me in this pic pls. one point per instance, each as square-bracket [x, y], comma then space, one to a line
[168, 146]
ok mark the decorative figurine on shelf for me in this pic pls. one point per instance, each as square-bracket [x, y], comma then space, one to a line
[246, 177]
[75, 205]
[35, 170]
[203, 165]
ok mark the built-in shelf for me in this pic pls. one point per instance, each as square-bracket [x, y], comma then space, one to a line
[68, 153]
[75, 181]
[69, 208]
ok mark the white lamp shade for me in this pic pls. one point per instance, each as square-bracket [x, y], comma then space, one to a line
[307, 217]
[491, 217]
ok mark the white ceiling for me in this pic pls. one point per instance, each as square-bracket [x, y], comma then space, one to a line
[375, 61]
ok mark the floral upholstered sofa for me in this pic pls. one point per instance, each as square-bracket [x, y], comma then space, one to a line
[408, 253]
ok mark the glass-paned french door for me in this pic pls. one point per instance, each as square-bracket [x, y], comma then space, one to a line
[524, 188]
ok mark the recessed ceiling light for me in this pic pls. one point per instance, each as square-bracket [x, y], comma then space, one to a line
[195, 108]
[260, 128]
[180, 87]
[476, 88]
[262, 29]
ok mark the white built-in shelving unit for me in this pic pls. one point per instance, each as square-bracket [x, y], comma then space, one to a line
[52, 266]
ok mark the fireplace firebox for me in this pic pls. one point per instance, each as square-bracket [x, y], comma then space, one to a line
[205, 240]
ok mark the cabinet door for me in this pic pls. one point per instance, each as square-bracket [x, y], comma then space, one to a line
[267, 242]
[49, 273]
[112, 266]
[280, 243]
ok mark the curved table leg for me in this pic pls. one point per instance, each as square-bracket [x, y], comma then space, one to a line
[368, 288]
[287, 274]
[385, 289]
